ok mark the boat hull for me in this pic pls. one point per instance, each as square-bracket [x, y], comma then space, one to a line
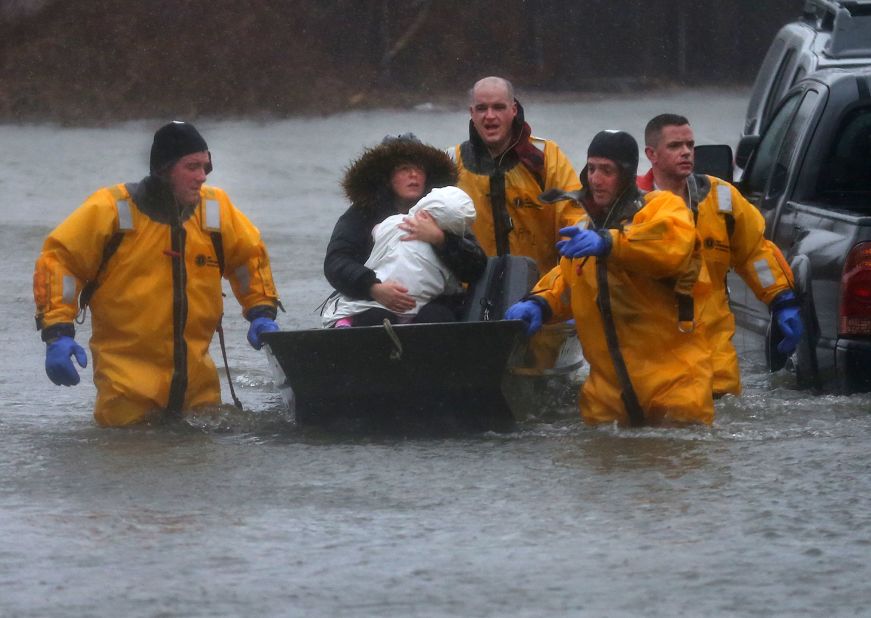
[398, 377]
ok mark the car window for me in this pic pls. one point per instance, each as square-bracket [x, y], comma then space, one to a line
[791, 141]
[764, 79]
[778, 87]
[769, 146]
[846, 175]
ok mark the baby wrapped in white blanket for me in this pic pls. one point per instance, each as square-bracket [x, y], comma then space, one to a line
[412, 263]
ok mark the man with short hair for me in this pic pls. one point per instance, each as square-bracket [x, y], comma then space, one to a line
[148, 258]
[504, 169]
[732, 233]
[632, 277]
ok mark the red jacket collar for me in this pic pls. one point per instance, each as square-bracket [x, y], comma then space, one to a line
[645, 183]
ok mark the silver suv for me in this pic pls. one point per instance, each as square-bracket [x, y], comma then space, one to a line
[829, 34]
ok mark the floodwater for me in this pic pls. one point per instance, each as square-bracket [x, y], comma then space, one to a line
[767, 513]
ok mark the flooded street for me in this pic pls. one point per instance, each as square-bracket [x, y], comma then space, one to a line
[767, 513]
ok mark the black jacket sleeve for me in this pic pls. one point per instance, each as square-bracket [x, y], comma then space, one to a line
[464, 256]
[347, 252]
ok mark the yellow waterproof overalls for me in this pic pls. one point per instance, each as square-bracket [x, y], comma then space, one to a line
[158, 298]
[733, 236]
[654, 255]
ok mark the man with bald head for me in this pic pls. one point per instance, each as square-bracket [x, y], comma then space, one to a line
[504, 168]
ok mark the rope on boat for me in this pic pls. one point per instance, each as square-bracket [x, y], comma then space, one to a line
[396, 353]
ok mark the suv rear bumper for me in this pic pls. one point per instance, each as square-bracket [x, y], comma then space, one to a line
[853, 365]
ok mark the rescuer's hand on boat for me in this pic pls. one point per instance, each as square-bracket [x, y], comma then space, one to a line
[58, 361]
[258, 327]
[529, 311]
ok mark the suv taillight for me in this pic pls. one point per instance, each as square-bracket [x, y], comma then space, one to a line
[856, 292]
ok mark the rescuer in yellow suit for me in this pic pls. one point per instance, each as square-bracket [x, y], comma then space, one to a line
[147, 259]
[732, 232]
[633, 278]
[504, 169]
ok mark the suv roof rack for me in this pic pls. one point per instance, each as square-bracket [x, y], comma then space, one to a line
[849, 22]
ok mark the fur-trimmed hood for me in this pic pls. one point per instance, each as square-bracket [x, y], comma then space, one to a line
[367, 180]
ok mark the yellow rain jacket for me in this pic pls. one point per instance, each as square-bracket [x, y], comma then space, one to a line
[732, 231]
[534, 225]
[510, 217]
[654, 254]
[158, 300]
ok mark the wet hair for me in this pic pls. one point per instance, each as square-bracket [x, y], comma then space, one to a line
[653, 130]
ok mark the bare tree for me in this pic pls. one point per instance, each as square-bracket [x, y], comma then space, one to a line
[392, 48]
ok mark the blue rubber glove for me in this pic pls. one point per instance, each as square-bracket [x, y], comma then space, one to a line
[582, 243]
[529, 311]
[257, 328]
[58, 363]
[788, 318]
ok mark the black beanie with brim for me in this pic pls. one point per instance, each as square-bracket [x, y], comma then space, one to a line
[172, 142]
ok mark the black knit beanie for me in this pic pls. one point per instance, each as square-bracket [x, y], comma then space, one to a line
[173, 141]
[618, 146]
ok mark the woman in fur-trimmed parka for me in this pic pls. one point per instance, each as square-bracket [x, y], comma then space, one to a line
[387, 180]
